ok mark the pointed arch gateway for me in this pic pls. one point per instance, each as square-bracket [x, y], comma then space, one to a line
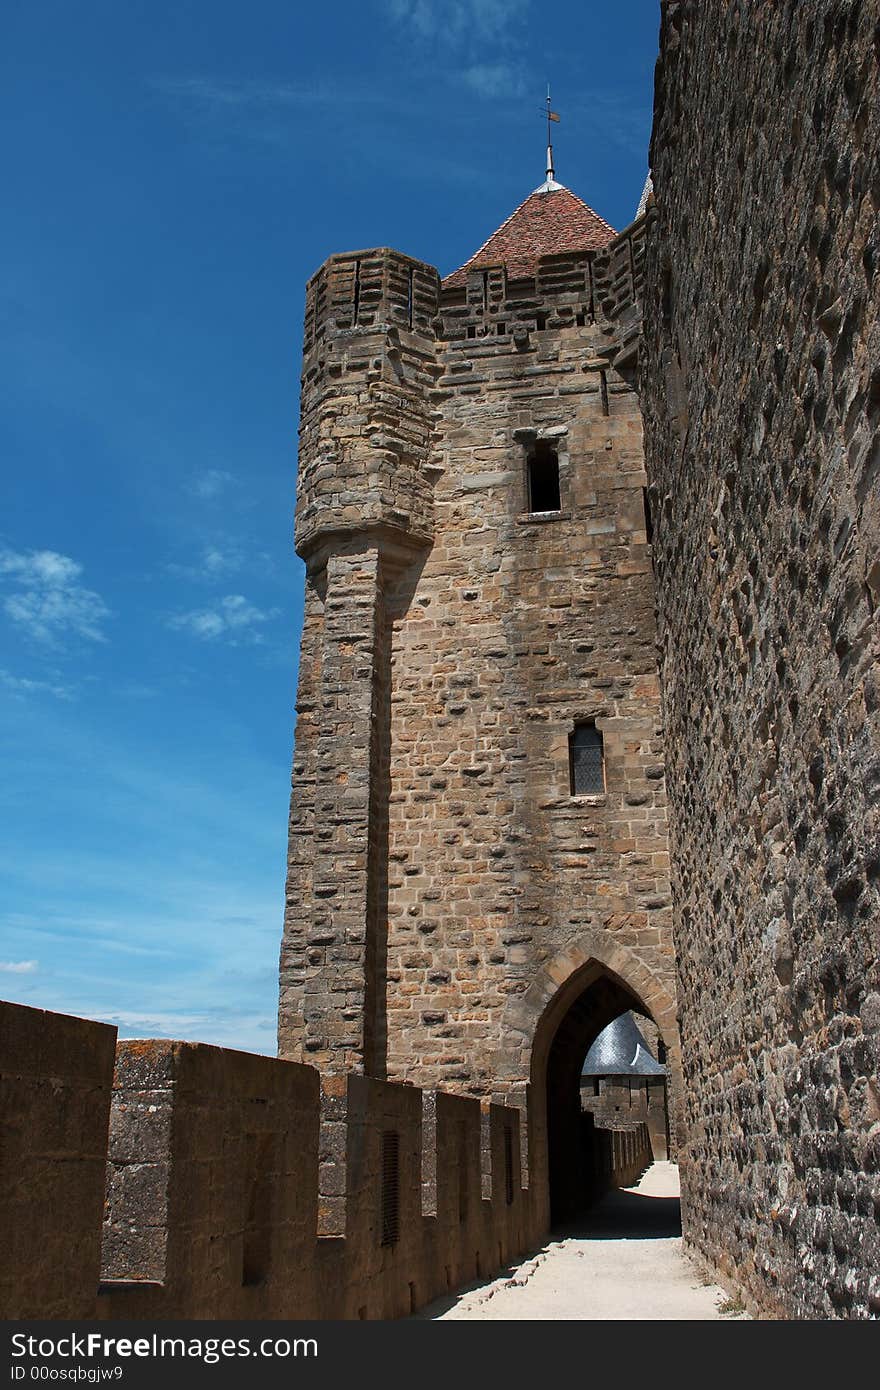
[573, 997]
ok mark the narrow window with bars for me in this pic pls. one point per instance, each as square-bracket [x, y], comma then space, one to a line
[508, 1165]
[463, 1173]
[586, 758]
[390, 1187]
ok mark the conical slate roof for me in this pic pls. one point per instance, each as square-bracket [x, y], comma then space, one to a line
[646, 193]
[620, 1050]
[551, 220]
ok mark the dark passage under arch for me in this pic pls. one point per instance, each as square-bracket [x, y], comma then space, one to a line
[573, 1179]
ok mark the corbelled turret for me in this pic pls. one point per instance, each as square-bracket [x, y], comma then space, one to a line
[365, 426]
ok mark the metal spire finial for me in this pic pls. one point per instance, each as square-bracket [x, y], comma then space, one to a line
[550, 183]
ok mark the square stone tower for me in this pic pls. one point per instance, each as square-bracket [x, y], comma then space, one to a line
[478, 869]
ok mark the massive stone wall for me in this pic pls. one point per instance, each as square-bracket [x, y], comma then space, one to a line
[761, 393]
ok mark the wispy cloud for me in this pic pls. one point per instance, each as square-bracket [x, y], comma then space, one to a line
[252, 1032]
[19, 967]
[214, 562]
[228, 112]
[454, 23]
[212, 94]
[210, 483]
[479, 41]
[623, 117]
[475, 43]
[234, 619]
[84, 930]
[49, 602]
[22, 686]
[158, 908]
[263, 113]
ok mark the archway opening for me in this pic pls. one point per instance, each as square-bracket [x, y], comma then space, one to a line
[577, 1137]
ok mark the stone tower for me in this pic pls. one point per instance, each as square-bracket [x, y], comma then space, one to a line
[478, 869]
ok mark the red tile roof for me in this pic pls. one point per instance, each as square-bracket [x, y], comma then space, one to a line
[544, 225]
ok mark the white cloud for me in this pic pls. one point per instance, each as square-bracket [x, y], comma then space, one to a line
[214, 562]
[453, 23]
[233, 618]
[49, 601]
[252, 1032]
[474, 43]
[210, 483]
[23, 686]
[41, 566]
[19, 967]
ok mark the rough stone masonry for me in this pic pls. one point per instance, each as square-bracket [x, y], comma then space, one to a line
[447, 881]
[462, 909]
[761, 397]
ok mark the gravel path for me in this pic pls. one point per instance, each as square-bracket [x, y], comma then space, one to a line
[625, 1262]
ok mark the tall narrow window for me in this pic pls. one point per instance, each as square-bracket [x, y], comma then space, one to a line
[508, 1165]
[390, 1187]
[586, 761]
[463, 1173]
[649, 524]
[543, 478]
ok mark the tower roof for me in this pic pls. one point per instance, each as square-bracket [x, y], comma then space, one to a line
[646, 193]
[551, 220]
[621, 1050]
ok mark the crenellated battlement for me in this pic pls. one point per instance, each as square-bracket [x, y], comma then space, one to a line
[360, 290]
[377, 327]
[620, 278]
[575, 289]
[241, 1186]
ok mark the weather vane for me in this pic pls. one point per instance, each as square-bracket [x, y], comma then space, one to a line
[551, 116]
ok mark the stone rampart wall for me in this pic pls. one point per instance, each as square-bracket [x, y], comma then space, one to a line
[231, 1187]
[761, 396]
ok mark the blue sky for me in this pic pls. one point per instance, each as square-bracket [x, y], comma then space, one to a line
[173, 174]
